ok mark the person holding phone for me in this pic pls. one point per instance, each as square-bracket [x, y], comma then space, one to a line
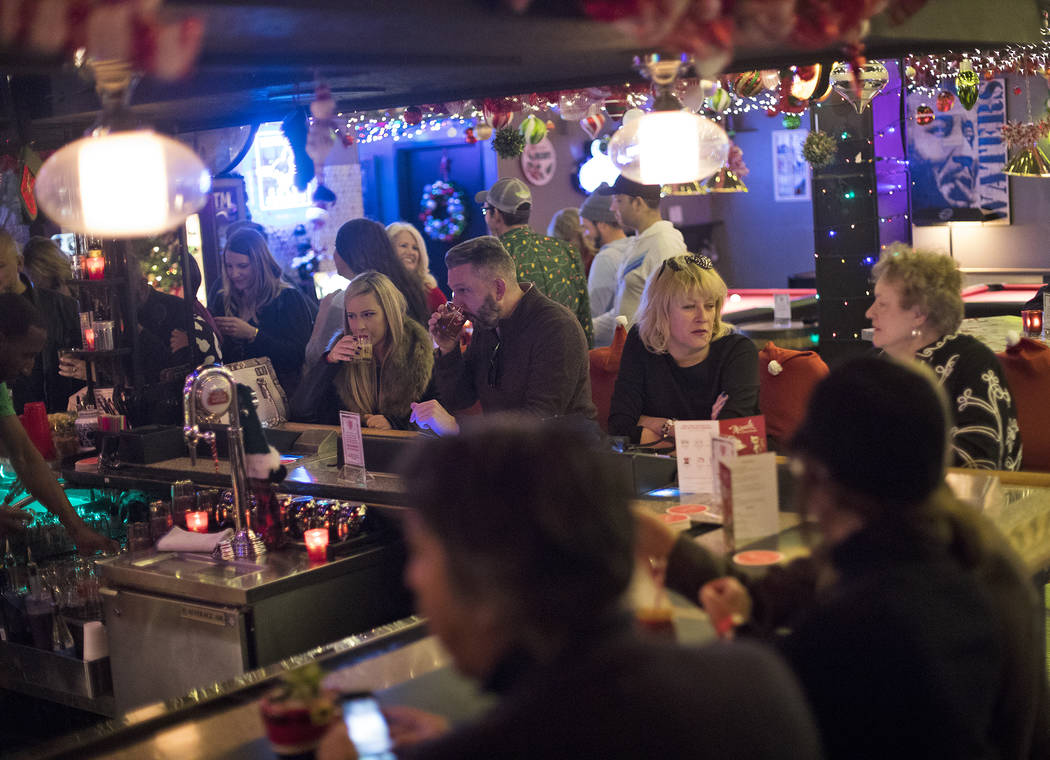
[520, 551]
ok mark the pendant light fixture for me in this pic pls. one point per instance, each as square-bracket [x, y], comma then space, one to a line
[725, 180]
[121, 180]
[668, 145]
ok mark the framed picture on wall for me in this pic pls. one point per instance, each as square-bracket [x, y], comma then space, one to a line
[956, 156]
[790, 170]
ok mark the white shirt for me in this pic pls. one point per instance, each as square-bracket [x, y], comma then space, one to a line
[601, 282]
[647, 252]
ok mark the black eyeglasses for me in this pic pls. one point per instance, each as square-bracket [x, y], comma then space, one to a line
[696, 259]
[486, 209]
[494, 366]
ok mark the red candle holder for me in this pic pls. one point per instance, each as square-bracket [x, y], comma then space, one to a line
[96, 267]
[316, 544]
[197, 521]
[89, 338]
[1032, 322]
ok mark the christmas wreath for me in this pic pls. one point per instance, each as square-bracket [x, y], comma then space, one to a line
[443, 212]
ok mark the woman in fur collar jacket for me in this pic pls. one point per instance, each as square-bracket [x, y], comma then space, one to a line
[379, 384]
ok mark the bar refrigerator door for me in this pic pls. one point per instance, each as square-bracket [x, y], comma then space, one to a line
[161, 648]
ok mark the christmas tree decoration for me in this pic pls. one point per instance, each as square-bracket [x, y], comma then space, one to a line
[966, 84]
[508, 143]
[550, 125]
[859, 86]
[532, 129]
[792, 121]
[923, 115]
[483, 131]
[819, 149]
[593, 124]
[413, 115]
[748, 84]
[497, 113]
[770, 79]
[158, 259]
[945, 101]
[1030, 161]
[30, 168]
[719, 100]
[573, 106]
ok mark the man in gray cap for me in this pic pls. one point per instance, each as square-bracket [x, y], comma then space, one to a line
[552, 265]
[603, 228]
[637, 206]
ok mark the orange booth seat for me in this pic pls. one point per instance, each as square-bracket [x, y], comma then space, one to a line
[605, 366]
[1026, 365]
[786, 380]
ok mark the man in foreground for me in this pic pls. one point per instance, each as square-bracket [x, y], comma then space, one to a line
[520, 553]
[528, 354]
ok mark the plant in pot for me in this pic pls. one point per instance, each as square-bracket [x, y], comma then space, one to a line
[297, 711]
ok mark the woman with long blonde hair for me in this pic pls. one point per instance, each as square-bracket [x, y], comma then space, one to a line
[681, 361]
[380, 387]
[259, 313]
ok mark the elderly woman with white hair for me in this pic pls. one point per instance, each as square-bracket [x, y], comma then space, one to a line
[680, 361]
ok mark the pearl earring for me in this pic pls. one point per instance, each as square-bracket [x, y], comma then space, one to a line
[915, 332]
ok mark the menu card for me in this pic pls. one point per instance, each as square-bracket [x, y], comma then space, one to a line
[749, 497]
[693, 440]
[353, 446]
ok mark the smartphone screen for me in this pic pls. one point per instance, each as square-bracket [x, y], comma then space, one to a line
[367, 727]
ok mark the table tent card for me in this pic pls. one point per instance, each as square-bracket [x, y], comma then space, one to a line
[749, 498]
[353, 448]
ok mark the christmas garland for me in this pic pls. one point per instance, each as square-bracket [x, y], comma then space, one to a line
[443, 212]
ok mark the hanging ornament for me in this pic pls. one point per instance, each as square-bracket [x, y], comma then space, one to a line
[457, 107]
[573, 105]
[923, 115]
[870, 77]
[616, 105]
[719, 100]
[550, 125]
[468, 133]
[532, 129]
[497, 119]
[807, 73]
[966, 84]
[413, 115]
[508, 143]
[770, 78]
[483, 131]
[819, 149]
[909, 71]
[323, 105]
[1029, 162]
[692, 92]
[748, 84]
[593, 124]
[630, 115]
[792, 121]
[945, 101]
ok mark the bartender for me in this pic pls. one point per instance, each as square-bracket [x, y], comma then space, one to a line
[23, 332]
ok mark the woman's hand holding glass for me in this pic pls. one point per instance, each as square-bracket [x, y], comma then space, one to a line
[351, 348]
[69, 366]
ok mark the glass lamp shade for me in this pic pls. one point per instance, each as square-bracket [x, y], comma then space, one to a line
[122, 184]
[725, 180]
[1030, 162]
[669, 148]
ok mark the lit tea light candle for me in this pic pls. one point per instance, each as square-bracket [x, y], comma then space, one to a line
[197, 521]
[316, 544]
[89, 339]
[96, 267]
[1032, 322]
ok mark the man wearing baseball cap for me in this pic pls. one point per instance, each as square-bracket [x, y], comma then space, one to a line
[637, 207]
[603, 228]
[552, 265]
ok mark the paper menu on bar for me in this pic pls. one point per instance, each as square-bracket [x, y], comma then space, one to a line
[353, 446]
[693, 451]
[749, 496]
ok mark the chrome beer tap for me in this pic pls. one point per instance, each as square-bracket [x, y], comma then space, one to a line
[215, 389]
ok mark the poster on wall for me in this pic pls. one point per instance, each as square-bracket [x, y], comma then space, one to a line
[956, 156]
[790, 170]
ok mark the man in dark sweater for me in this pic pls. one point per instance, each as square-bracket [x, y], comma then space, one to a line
[520, 544]
[527, 354]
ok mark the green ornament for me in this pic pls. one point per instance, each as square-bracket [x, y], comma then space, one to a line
[508, 142]
[719, 100]
[792, 121]
[966, 85]
[819, 149]
[533, 130]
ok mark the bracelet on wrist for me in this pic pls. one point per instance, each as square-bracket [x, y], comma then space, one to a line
[667, 429]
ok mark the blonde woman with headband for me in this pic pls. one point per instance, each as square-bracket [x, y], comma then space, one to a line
[381, 382]
[680, 361]
[411, 251]
[259, 313]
